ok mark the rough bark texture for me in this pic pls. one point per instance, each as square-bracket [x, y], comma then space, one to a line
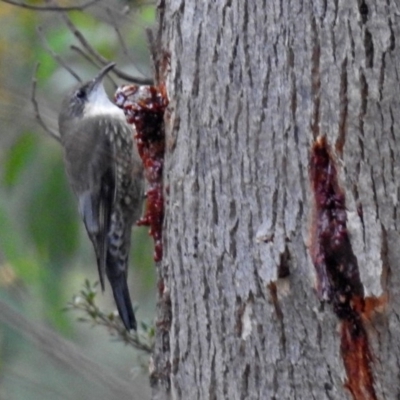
[252, 84]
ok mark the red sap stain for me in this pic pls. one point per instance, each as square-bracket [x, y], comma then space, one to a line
[338, 278]
[144, 107]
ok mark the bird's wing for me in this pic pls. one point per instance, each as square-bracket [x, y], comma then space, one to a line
[106, 202]
[96, 203]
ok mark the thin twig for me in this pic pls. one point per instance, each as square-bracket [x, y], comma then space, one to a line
[84, 55]
[82, 40]
[134, 79]
[94, 315]
[125, 51]
[91, 61]
[38, 116]
[98, 57]
[121, 40]
[51, 8]
[154, 52]
[55, 55]
[125, 11]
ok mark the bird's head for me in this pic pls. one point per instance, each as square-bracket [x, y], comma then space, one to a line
[88, 99]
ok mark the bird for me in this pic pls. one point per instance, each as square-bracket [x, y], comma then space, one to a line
[105, 172]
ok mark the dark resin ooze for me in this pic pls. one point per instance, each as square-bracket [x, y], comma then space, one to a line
[338, 278]
[144, 106]
[334, 260]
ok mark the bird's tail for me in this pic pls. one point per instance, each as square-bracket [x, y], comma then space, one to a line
[123, 301]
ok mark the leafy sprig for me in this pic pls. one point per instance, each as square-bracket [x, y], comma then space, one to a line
[85, 302]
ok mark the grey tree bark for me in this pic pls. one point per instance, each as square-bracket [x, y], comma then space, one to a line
[252, 85]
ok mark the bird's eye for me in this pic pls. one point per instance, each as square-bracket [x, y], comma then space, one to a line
[80, 93]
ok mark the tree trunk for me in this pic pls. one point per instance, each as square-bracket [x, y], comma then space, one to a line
[253, 283]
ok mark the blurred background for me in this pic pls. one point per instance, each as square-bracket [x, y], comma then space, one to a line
[45, 255]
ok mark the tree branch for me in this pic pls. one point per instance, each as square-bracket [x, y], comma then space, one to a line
[91, 61]
[38, 116]
[55, 55]
[51, 8]
[98, 57]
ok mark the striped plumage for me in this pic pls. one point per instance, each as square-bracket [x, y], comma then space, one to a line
[105, 173]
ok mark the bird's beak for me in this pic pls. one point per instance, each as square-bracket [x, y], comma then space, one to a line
[103, 72]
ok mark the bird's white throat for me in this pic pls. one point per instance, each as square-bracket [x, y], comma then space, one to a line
[99, 104]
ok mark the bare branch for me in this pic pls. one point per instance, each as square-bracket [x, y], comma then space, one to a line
[99, 58]
[119, 35]
[134, 79]
[154, 51]
[91, 61]
[55, 55]
[38, 116]
[84, 55]
[114, 22]
[51, 8]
